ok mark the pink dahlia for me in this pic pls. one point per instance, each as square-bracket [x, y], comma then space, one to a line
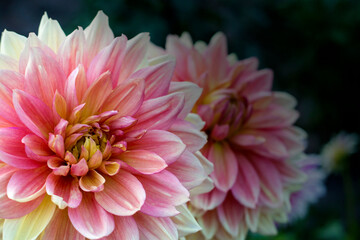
[94, 141]
[251, 139]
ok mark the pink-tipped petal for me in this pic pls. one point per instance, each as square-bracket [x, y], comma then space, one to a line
[123, 194]
[230, 214]
[155, 228]
[90, 219]
[125, 229]
[36, 148]
[210, 200]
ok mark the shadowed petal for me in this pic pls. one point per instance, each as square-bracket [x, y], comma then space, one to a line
[125, 229]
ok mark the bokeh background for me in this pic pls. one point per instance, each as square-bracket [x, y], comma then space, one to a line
[313, 47]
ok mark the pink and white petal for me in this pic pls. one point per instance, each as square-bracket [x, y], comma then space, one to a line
[108, 59]
[191, 93]
[159, 113]
[98, 35]
[34, 113]
[12, 149]
[92, 181]
[123, 194]
[189, 134]
[8, 63]
[157, 78]
[151, 228]
[37, 146]
[185, 221]
[252, 218]
[246, 189]
[90, 219]
[225, 165]
[72, 52]
[96, 95]
[43, 76]
[208, 201]
[247, 140]
[231, 214]
[75, 87]
[209, 224]
[26, 185]
[143, 161]
[204, 187]
[165, 144]
[12, 44]
[126, 98]
[184, 169]
[135, 53]
[125, 229]
[64, 187]
[163, 192]
[51, 33]
[60, 227]
[31, 225]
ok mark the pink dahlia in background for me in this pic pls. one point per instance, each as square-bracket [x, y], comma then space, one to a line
[251, 139]
[312, 189]
[94, 141]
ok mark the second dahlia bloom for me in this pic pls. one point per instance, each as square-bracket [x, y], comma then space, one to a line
[94, 141]
[251, 139]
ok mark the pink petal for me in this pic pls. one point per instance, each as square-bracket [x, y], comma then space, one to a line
[247, 140]
[126, 98]
[72, 52]
[123, 194]
[43, 76]
[155, 228]
[108, 59]
[165, 144]
[135, 53]
[60, 227]
[34, 113]
[184, 169]
[65, 187]
[157, 78]
[143, 161]
[247, 186]
[10, 208]
[191, 93]
[75, 87]
[98, 35]
[219, 132]
[209, 224]
[258, 81]
[27, 185]
[90, 219]
[208, 201]
[80, 168]
[163, 192]
[231, 215]
[125, 229]
[36, 148]
[12, 150]
[160, 113]
[92, 182]
[189, 134]
[225, 165]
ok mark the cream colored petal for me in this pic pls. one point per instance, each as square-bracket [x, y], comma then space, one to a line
[31, 225]
[12, 44]
[8, 63]
[51, 33]
[185, 221]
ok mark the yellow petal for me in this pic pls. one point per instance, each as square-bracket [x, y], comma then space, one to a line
[51, 33]
[12, 44]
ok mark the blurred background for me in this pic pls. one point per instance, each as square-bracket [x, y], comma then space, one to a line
[313, 47]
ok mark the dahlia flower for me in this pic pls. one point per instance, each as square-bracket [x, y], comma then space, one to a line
[312, 189]
[251, 139]
[94, 140]
[337, 150]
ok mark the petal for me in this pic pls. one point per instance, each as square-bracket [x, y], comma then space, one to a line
[43, 76]
[185, 221]
[163, 192]
[90, 219]
[51, 33]
[247, 186]
[29, 226]
[12, 150]
[8, 63]
[64, 187]
[144, 161]
[159, 113]
[209, 224]
[189, 134]
[125, 229]
[92, 181]
[98, 35]
[60, 227]
[247, 140]
[75, 87]
[26, 185]
[165, 144]
[108, 59]
[225, 165]
[12, 44]
[123, 194]
[37, 146]
[231, 215]
[34, 113]
[208, 201]
[155, 228]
